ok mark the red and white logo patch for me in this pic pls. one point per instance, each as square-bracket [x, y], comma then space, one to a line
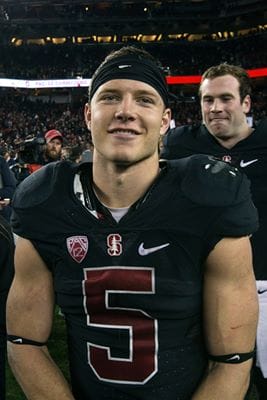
[77, 247]
[114, 244]
[227, 159]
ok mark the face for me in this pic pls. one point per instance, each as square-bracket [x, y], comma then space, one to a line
[53, 149]
[126, 118]
[223, 112]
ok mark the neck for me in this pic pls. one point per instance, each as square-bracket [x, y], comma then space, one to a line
[120, 186]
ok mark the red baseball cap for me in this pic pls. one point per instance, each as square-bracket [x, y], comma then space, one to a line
[52, 134]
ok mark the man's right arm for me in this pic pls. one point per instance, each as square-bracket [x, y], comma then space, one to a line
[30, 308]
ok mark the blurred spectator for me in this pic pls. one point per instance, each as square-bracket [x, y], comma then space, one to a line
[53, 147]
[75, 154]
[7, 189]
[87, 155]
[9, 156]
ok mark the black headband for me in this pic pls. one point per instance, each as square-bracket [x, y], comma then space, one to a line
[131, 67]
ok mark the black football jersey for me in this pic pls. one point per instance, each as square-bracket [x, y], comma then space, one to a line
[249, 155]
[131, 291]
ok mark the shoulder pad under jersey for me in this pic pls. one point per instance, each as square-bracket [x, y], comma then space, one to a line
[209, 181]
[37, 187]
[173, 134]
[176, 139]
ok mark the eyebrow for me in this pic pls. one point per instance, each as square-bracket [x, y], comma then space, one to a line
[220, 95]
[150, 92]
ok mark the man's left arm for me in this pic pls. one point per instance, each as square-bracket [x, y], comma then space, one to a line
[230, 318]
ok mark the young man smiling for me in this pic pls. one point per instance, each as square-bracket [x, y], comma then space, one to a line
[154, 275]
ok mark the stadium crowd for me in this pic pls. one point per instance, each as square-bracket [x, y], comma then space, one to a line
[177, 57]
[22, 119]
[24, 114]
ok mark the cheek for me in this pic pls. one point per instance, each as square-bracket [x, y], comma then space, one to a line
[154, 120]
[204, 112]
[98, 118]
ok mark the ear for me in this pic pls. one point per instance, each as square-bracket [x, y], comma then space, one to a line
[246, 104]
[87, 115]
[166, 120]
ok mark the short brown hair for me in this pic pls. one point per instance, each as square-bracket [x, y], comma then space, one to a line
[226, 69]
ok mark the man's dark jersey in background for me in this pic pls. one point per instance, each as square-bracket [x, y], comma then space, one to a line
[131, 291]
[249, 156]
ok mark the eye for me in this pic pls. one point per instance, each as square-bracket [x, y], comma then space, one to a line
[227, 98]
[208, 100]
[109, 97]
[145, 100]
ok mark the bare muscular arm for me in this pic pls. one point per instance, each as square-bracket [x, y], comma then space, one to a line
[230, 318]
[30, 308]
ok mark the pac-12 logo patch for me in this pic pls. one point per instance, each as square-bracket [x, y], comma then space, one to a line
[77, 247]
[114, 244]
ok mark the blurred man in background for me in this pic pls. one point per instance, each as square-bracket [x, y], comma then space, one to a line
[53, 147]
[7, 188]
[225, 98]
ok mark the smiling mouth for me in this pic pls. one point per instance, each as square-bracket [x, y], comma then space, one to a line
[218, 122]
[218, 119]
[124, 133]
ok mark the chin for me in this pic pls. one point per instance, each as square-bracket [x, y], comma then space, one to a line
[218, 131]
[122, 158]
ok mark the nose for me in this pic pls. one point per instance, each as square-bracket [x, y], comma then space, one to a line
[125, 110]
[216, 106]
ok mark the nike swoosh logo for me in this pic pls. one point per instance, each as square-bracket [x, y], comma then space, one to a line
[244, 164]
[17, 341]
[236, 357]
[260, 291]
[144, 252]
